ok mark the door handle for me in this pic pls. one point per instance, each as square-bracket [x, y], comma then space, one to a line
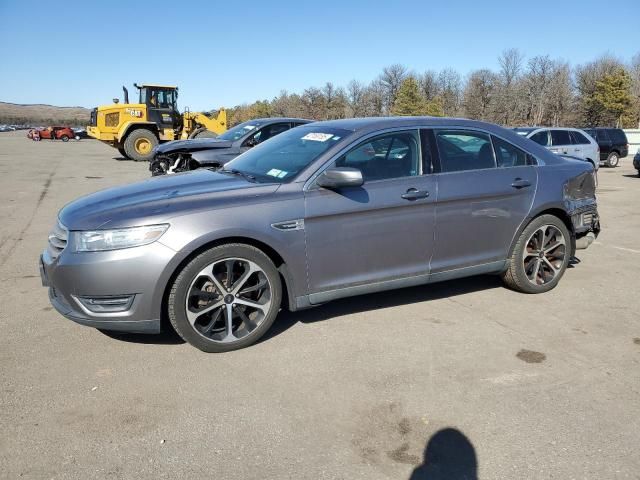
[414, 194]
[520, 183]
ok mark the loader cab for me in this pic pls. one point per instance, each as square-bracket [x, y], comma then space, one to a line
[162, 105]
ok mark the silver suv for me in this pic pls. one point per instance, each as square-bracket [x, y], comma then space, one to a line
[565, 141]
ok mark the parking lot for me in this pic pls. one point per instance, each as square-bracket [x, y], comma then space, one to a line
[499, 384]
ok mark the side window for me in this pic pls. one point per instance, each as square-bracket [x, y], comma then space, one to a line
[578, 138]
[265, 133]
[603, 135]
[618, 136]
[560, 137]
[392, 155]
[464, 150]
[508, 155]
[541, 138]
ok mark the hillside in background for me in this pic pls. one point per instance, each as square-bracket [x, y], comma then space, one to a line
[40, 114]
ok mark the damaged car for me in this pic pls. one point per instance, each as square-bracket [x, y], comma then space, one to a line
[183, 155]
[323, 211]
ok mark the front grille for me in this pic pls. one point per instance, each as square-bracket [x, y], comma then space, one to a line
[57, 240]
[112, 119]
[93, 121]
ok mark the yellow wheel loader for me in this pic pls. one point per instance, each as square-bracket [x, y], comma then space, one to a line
[136, 128]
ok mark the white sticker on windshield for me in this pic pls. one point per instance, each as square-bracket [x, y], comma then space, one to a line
[282, 174]
[317, 137]
[274, 172]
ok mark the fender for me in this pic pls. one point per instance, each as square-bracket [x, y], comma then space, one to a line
[287, 269]
[127, 126]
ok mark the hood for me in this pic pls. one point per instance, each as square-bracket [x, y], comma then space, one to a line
[158, 199]
[192, 145]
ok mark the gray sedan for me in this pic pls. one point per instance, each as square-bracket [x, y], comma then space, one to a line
[323, 211]
[184, 155]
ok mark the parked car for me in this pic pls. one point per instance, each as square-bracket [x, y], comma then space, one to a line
[182, 155]
[636, 162]
[60, 133]
[323, 211]
[613, 144]
[564, 141]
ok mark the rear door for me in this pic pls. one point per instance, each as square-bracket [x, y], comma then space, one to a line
[560, 142]
[483, 197]
[380, 231]
[577, 147]
[605, 143]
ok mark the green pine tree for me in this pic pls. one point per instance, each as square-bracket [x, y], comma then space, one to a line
[613, 95]
[409, 101]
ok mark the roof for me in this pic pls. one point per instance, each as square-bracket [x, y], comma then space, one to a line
[143, 85]
[377, 123]
[262, 121]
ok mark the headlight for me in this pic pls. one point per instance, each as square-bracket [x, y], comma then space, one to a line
[100, 240]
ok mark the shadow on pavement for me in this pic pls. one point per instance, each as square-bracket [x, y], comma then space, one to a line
[449, 455]
[338, 308]
[167, 337]
[375, 301]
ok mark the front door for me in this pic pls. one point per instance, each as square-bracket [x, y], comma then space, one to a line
[485, 191]
[379, 232]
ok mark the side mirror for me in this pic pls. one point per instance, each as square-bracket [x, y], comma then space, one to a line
[340, 177]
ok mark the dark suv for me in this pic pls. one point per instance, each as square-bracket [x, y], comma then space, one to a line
[613, 144]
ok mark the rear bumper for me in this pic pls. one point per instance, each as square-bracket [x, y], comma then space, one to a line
[586, 226]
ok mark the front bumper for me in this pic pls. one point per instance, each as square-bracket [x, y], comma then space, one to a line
[136, 273]
[636, 162]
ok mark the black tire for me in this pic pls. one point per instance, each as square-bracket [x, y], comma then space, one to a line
[135, 138]
[64, 138]
[613, 160]
[176, 303]
[516, 275]
[203, 133]
[123, 153]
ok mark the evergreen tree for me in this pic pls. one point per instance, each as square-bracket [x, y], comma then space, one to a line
[613, 94]
[409, 101]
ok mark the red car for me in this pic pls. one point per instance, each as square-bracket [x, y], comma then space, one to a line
[60, 133]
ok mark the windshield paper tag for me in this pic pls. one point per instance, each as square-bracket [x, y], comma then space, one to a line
[274, 172]
[317, 137]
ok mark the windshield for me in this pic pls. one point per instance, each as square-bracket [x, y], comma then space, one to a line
[282, 157]
[238, 131]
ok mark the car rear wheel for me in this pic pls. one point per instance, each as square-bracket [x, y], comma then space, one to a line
[64, 138]
[613, 159]
[226, 298]
[540, 256]
[139, 145]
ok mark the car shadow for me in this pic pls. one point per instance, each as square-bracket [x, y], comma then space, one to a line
[387, 299]
[167, 337]
[631, 175]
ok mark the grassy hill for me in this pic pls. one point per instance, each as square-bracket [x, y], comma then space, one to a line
[41, 114]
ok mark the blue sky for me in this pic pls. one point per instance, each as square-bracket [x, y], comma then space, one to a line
[226, 53]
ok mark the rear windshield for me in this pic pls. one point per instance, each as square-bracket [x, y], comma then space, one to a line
[617, 136]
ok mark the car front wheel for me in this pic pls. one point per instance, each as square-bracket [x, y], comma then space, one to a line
[225, 298]
[540, 256]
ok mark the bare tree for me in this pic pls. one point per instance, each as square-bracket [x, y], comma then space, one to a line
[391, 78]
[450, 89]
[538, 78]
[479, 94]
[428, 83]
[509, 88]
[356, 99]
[634, 72]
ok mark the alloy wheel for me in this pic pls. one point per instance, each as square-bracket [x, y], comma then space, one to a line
[228, 299]
[544, 255]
